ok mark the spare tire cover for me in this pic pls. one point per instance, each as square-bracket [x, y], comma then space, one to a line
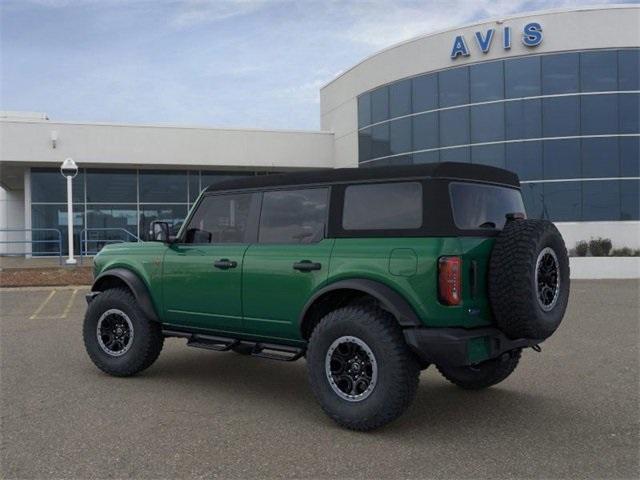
[529, 279]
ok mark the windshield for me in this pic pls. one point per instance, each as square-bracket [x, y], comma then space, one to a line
[477, 206]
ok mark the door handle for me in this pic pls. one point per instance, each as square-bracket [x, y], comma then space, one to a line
[307, 266]
[225, 264]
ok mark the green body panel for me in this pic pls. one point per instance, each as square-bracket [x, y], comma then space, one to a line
[391, 260]
[274, 294]
[264, 296]
[142, 258]
[196, 293]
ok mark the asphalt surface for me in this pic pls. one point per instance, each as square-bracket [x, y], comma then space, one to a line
[571, 411]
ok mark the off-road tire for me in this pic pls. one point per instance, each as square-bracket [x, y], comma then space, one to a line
[483, 375]
[513, 292]
[147, 335]
[397, 367]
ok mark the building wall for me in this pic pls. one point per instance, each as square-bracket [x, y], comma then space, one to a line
[29, 141]
[11, 217]
[563, 114]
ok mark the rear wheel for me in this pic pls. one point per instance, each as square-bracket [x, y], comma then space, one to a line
[482, 375]
[118, 337]
[360, 369]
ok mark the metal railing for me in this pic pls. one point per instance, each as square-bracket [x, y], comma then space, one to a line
[57, 241]
[85, 239]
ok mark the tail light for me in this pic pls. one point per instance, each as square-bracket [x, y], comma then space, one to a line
[449, 280]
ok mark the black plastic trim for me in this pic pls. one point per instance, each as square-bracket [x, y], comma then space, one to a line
[448, 346]
[389, 299]
[135, 284]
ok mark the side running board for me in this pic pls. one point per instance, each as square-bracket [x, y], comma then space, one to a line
[271, 351]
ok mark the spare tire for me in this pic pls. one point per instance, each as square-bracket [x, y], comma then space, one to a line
[529, 279]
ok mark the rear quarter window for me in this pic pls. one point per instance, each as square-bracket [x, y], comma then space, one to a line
[478, 207]
[383, 206]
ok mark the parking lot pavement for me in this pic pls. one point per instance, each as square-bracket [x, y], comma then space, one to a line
[571, 411]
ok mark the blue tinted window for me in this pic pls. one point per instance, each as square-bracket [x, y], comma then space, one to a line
[562, 201]
[561, 159]
[600, 157]
[365, 147]
[600, 200]
[462, 154]
[454, 87]
[523, 119]
[488, 155]
[487, 123]
[629, 69]
[599, 71]
[525, 159]
[425, 131]
[560, 73]
[364, 110]
[522, 77]
[454, 127]
[629, 112]
[163, 186]
[52, 216]
[387, 162]
[380, 140]
[426, 157]
[114, 217]
[400, 135]
[629, 203]
[106, 185]
[629, 156]
[560, 116]
[599, 114]
[400, 98]
[402, 160]
[380, 105]
[487, 81]
[194, 185]
[425, 92]
[532, 197]
[48, 185]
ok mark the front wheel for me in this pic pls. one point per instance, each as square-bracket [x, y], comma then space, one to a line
[360, 369]
[118, 337]
[482, 375]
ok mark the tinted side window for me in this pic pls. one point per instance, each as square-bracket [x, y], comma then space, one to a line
[383, 206]
[221, 219]
[483, 206]
[293, 216]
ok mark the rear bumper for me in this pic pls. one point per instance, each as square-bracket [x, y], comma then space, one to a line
[459, 346]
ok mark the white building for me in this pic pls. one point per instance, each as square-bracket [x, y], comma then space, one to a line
[554, 96]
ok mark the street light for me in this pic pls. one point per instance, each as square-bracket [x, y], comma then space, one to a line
[69, 170]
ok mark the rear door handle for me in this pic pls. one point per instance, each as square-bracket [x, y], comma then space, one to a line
[307, 266]
[225, 264]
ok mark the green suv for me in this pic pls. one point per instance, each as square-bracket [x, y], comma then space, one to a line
[370, 274]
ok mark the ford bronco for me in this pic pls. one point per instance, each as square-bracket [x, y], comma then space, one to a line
[370, 274]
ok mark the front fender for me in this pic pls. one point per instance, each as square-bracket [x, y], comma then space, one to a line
[135, 284]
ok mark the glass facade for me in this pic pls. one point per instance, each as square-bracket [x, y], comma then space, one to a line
[114, 204]
[566, 123]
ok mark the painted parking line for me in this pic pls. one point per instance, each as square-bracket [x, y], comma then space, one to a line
[48, 308]
[69, 305]
[42, 305]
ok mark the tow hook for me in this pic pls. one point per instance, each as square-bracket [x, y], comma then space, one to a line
[536, 348]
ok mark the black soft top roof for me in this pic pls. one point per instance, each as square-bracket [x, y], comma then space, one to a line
[461, 171]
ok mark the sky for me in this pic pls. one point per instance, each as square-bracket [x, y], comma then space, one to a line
[231, 63]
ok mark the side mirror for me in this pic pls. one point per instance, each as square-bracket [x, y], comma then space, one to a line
[159, 231]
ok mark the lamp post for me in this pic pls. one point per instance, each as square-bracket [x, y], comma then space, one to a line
[69, 170]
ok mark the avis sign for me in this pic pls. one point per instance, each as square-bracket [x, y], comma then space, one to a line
[531, 37]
